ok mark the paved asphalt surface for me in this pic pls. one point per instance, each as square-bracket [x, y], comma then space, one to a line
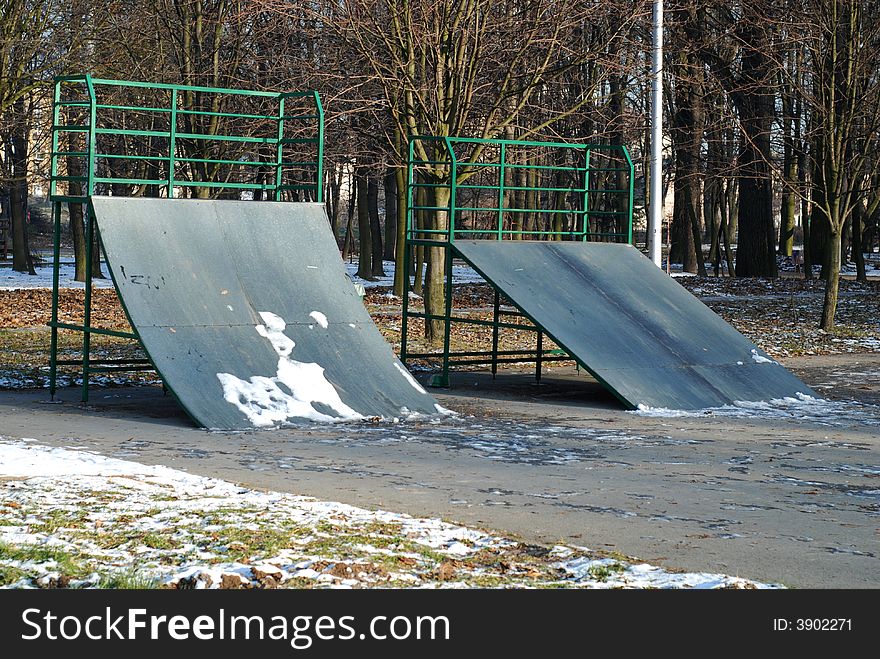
[787, 497]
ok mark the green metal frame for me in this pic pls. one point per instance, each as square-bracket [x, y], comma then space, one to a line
[449, 162]
[85, 96]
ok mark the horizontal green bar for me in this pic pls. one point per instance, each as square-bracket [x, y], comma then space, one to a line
[219, 184]
[523, 233]
[132, 108]
[101, 362]
[70, 154]
[556, 145]
[463, 164]
[472, 321]
[131, 132]
[232, 115]
[215, 161]
[130, 181]
[190, 88]
[228, 138]
[93, 330]
[298, 187]
[119, 369]
[119, 156]
[482, 353]
[520, 210]
[503, 360]
[516, 188]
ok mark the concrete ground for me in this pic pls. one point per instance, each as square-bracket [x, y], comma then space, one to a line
[771, 497]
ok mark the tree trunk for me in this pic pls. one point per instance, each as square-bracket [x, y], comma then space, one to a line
[696, 233]
[435, 279]
[832, 281]
[18, 192]
[858, 222]
[335, 193]
[401, 267]
[390, 216]
[376, 250]
[365, 244]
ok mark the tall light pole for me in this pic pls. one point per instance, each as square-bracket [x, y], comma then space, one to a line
[655, 216]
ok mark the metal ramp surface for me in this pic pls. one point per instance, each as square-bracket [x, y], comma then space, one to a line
[248, 314]
[644, 337]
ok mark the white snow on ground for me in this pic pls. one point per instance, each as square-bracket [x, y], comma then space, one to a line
[102, 517]
[319, 318]
[461, 274]
[11, 280]
[266, 404]
[799, 408]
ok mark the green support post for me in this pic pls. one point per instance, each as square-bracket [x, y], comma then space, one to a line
[167, 107]
[457, 181]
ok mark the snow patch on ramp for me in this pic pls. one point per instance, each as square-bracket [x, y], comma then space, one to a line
[263, 401]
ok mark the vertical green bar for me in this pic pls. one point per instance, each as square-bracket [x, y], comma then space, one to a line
[56, 241]
[496, 312]
[586, 211]
[629, 215]
[279, 150]
[319, 182]
[539, 356]
[501, 176]
[407, 237]
[56, 267]
[90, 239]
[172, 143]
[447, 331]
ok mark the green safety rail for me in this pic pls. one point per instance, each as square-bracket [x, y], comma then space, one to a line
[129, 138]
[472, 188]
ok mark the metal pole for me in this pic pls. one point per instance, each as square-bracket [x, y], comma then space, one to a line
[655, 219]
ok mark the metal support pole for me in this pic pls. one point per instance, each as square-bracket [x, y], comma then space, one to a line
[655, 219]
[496, 308]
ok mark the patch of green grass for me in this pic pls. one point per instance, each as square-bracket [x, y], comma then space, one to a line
[128, 580]
[59, 519]
[67, 563]
[158, 540]
[10, 575]
[602, 573]
[242, 543]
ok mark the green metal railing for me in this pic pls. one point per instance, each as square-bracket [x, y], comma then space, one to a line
[470, 188]
[130, 138]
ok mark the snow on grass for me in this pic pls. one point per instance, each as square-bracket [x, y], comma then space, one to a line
[461, 274]
[72, 518]
[797, 408]
[10, 280]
